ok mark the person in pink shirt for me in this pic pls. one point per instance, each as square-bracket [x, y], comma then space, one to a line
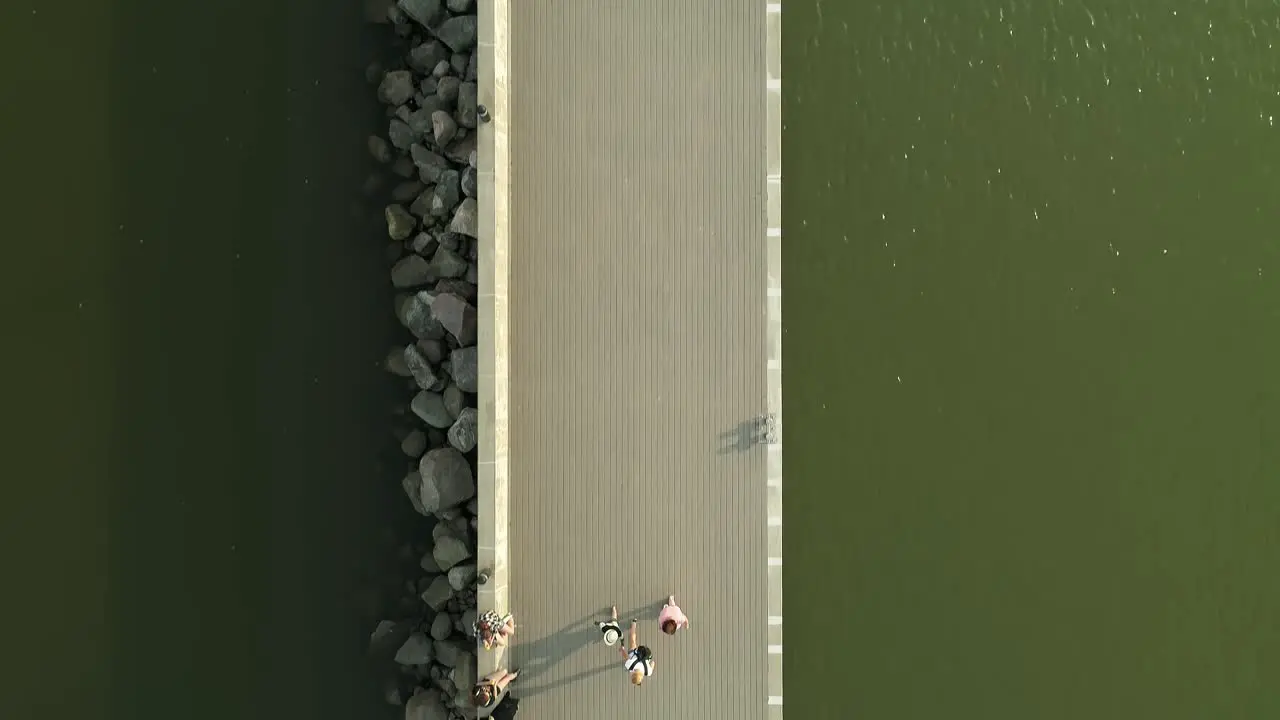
[672, 618]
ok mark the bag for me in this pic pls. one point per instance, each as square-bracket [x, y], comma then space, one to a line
[643, 653]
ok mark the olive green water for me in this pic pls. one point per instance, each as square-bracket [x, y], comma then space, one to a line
[1032, 287]
[193, 312]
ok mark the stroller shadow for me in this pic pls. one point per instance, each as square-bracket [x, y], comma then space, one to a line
[538, 657]
[747, 434]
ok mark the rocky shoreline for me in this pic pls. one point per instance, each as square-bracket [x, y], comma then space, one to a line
[428, 159]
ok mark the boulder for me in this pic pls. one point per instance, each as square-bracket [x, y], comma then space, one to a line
[416, 650]
[455, 315]
[454, 401]
[423, 12]
[426, 56]
[420, 368]
[443, 127]
[414, 444]
[449, 551]
[463, 674]
[411, 270]
[458, 33]
[463, 434]
[446, 482]
[466, 219]
[397, 87]
[412, 484]
[464, 368]
[445, 263]
[396, 366]
[429, 407]
[448, 652]
[467, 104]
[400, 224]
[416, 315]
[441, 627]
[469, 179]
[379, 149]
[429, 164]
[438, 593]
[447, 194]
[388, 636]
[462, 577]
[426, 703]
[447, 89]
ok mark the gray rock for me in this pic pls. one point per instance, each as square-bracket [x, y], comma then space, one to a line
[467, 104]
[428, 565]
[422, 204]
[458, 7]
[466, 219]
[396, 88]
[416, 650]
[469, 181]
[441, 69]
[448, 193]
[388, 636]
[463, 434]
[463, 674]
[462, 577]
[395, 364]
[411, 270]
[401, 135]
[443, 127]
[453, 400]
[416, 315]
[423, 12]
[441, 627]
[428, 86]
[380, 149]
[450, 551]
[460, 287]
[400, 224]
[420, 368]
[426, 703]
[412, 484]
[406, 191]
[438, 593]
[458, 63]
[457, 316]
[419, 121]
[461, 150]
[459, 33]
[423, 244]
[446, 482]
[426, 56]
[403, 167]
[468, 622]
[473, 67]
[445, 263]
[432, 350]
[447, 89]
[447, 652]
[429, 164]
[429, 407]
[414, 444]
[464, 367]
[473, 506]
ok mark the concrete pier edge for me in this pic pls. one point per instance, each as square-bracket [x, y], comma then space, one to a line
[492, 190]
[773, 236]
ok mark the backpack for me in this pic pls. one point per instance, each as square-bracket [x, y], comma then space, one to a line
[643, 653]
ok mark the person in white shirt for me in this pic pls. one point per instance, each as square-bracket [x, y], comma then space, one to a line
[638, 660]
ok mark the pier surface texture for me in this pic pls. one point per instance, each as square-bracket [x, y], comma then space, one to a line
[631, 405]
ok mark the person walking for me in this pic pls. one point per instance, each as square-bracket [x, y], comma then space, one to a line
[672, 618]
[489, 690]
[610, 628]
[638, 661]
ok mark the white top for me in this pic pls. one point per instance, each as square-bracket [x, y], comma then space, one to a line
[633, 663]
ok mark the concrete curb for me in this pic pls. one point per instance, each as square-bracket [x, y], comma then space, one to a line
[494, 203]
[773, 195]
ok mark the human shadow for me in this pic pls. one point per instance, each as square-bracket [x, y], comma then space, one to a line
[524, 691]
[749, 433]
[539, 656]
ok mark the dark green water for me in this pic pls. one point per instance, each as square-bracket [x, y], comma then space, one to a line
[1032, 272]
[194, 312]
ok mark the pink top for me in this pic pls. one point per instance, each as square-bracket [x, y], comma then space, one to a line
[673, 612]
